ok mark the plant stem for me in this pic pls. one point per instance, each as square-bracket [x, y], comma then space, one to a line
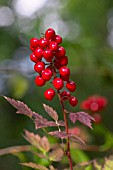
[68, 154]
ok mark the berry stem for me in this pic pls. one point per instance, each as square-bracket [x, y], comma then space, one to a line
[67, 152]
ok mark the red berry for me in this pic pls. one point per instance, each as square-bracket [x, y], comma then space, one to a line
[33, 58]
[58, 39]
[47, 74]
[34, 42]
[43, 42]
[71, 86]
[39, 81]
[64, 71]
[85, 105]
[49, 94]
[60, 52]
[32, 48]
[65, 78]
[50, 34]
[65, 95]
[38, 53]
[94, 106]
[53, 46]
[38, 67]
[48, 55]
[63, 60]
[58, 83]
[97, 118]
[73, 101]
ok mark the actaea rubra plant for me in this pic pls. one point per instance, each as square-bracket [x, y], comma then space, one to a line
[50, 63]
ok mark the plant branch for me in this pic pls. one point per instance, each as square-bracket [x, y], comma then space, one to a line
[67, 152]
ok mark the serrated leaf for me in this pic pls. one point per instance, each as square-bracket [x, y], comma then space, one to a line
[39, 123]
[82, 117]
[52, 113]
[32, 138]
[77, 139]
[59, 134]
[45, 144]
[34, 166]
[56, 155]
[20, 106]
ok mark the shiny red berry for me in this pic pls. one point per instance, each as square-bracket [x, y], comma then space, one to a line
[73, 101]
[48, 55]
[38, 53]
[47, 74]
[33, 58]
[50, 34]
[60, 52]
[39, 81]
[63, 60]
[38, 67]
[64, 71]
[49, 94]
[43, 43]
[34, 42]
[58, 39]
[58, 83]
[71, 86]
[65, 95]
[53, 45]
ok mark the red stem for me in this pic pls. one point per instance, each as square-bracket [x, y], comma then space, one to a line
[68, 154]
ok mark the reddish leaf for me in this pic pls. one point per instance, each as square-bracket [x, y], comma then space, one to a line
[32, 138]
[35, 166]
[82, 117]
[20, 106]
[76, 139]
[45, 144]
[58, 134]
[51, 112]
[56, 155]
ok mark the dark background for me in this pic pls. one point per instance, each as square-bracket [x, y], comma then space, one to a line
[87, 30]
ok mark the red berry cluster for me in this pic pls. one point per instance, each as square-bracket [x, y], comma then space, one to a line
[48, 49]
[94, 104]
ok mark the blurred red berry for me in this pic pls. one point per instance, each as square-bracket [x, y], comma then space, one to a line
[97, 118]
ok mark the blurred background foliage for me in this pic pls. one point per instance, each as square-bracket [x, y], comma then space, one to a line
[87, 30]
